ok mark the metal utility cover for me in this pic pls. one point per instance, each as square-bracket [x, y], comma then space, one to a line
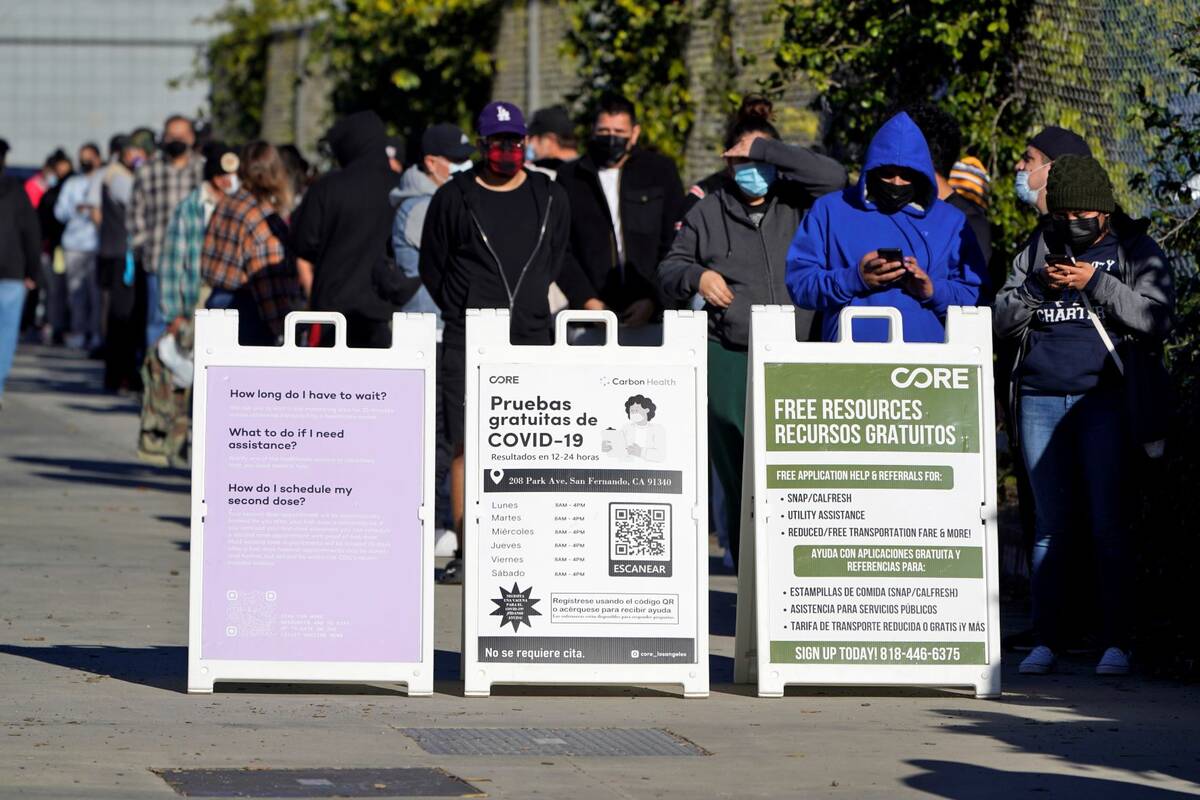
[391, 782]
[552, 742]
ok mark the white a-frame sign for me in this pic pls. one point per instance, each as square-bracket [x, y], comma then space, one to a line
[586, 548]
[312, 507]
[869, 550]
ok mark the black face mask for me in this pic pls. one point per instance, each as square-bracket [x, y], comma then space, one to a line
[889, 197]
[174, 148]
[607, 150]
[1080, 234]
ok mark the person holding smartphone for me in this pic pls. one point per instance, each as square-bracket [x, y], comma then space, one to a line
[1089, 304]
[887, 241]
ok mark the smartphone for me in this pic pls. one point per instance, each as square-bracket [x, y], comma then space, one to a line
[891, 254]
[1053, 260]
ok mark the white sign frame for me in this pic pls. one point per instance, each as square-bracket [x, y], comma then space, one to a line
[685, 338]
[414, 347]
[773, 339]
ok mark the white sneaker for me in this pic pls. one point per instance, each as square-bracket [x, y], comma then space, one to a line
[1038, 662]
[1113, 662]
[445, 543]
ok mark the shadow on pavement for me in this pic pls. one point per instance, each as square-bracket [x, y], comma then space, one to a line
[159, 666]
[1100, 738]
[957, 780]
[119, 474]
[123, 408]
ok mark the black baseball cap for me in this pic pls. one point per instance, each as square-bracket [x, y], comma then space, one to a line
[1055, 141]
[447, 140]
[219, 159]
[551, 120]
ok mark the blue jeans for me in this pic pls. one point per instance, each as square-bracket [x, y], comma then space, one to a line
[12, 304]
[1076, 450]
[156, 326]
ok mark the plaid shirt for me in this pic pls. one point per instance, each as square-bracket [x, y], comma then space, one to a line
[244, 246]
[157, 189]
[179, 261]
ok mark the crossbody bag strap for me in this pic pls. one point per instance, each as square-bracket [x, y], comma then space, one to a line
[1100, 329]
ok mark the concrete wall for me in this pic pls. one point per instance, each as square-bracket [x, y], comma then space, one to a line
[297, 107]
[79, 70]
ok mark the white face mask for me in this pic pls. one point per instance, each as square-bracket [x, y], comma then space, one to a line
[461, 166]
[233, 184]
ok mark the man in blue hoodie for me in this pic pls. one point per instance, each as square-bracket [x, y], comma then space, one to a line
[840, 254]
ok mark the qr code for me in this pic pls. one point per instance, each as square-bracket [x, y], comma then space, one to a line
[639, 531]
[250, 614]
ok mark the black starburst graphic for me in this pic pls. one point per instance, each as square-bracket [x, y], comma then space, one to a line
[515, 607]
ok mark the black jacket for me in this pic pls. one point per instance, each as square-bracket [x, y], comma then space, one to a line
[20, 235]
[460, 270]
[651, 205]
[345, 221]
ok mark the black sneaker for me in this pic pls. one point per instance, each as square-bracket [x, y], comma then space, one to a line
[452, 575]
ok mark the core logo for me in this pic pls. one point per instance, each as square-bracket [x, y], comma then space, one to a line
[932, 378]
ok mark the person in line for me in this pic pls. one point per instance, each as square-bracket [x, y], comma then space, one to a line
[95, 202]
[445, 150]
[752, 105]
[944, 137]
[340, 232]
[552, 140]
[395, 146]
[52, 289]
[1090, 302]
[125, 322]
[80, 241]
[245, 258]
[494, 237]
[625, 203]
[164, 435]
[730, 250]
[20, 262]
[836, 261]
[300, 172]
[47, 177]
[159, 186]
[1033, 167]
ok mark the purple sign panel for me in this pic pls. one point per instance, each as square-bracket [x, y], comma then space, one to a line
[312, 485]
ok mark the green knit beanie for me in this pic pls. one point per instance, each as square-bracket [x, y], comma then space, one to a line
[1078, 183]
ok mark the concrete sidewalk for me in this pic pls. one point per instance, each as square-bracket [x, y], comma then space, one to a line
[93, 633]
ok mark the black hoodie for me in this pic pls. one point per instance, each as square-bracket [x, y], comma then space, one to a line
[20, 238]
[344, 223]
[461, 271]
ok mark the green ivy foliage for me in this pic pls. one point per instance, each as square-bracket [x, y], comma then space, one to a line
[867, 58]
[235, 63]
[414, 62]
[635, 48]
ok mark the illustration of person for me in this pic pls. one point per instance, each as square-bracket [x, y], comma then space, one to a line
[639, 438]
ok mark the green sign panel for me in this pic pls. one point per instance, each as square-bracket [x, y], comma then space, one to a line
[917, 653]
[887, 561]
[931, 408]
[859, 476]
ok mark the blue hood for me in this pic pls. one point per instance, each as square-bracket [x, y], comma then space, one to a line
[900, 143]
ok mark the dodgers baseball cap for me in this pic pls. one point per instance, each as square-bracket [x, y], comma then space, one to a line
[446, 140]
[501, 117]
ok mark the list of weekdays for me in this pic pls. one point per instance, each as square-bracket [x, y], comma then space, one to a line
[312, 542]
[876, 552]
[587, 546]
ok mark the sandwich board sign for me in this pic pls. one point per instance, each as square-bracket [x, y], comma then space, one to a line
[312, 507]
[870, 555]
[586, 558]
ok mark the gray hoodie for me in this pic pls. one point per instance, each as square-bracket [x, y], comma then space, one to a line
[719, 234]
[411, 200]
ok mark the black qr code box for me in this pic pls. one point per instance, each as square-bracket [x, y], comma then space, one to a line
[639, 540]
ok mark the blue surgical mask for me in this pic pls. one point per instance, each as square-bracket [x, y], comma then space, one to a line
[755, 178]
[530, 155]
[1024, 193]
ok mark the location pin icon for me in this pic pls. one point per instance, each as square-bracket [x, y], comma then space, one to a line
[497, 475]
